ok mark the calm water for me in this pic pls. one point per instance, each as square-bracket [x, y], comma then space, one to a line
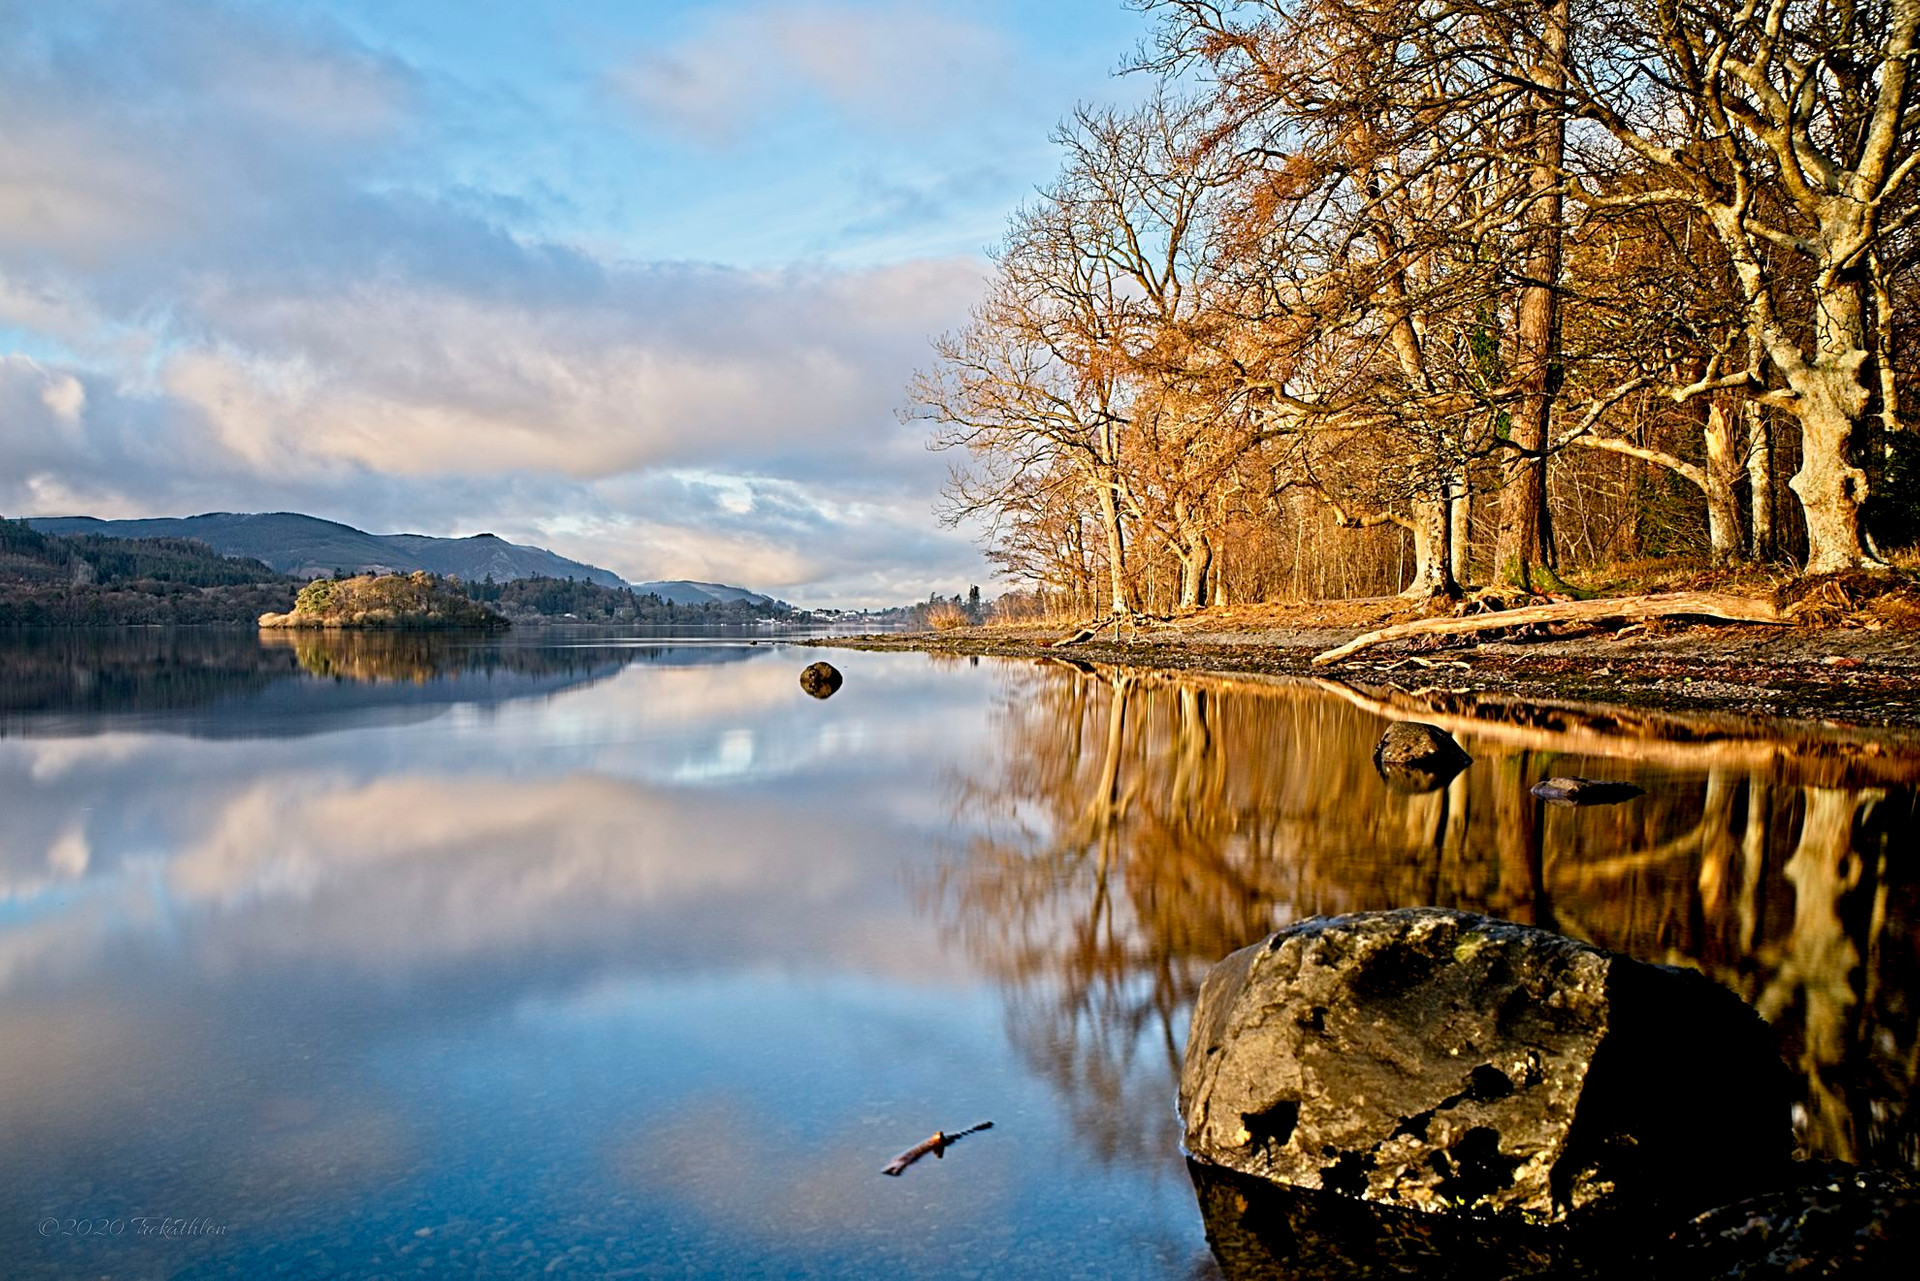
[584, 957]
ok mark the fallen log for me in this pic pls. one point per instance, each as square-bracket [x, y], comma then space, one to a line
[1732, 609]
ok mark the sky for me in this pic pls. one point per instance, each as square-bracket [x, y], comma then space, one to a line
[642, 282]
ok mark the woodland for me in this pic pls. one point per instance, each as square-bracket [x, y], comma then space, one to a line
[1396, 296]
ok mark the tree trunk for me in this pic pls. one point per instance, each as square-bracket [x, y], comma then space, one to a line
[1194, 550]
[1831, 490]
[1525, 537]
[1721, 473]
[1432, 574]
[1460, 533]
[1760, 479]
[1832, 400]
[1202, 570]
[1116, 549]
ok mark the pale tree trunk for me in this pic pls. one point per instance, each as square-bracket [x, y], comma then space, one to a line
[1194, 550]
[1760, 479]
[1721, 474]
[1116, 549]
[1196, 566]
[1460, 532]
[1432, 573]
[1832, 401]
[1525, 538]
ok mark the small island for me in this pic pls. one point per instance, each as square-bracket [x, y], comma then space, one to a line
[386, 602]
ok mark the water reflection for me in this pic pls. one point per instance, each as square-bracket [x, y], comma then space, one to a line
[619, 979]
[233, 683]
[603, 953]
[1135, 827]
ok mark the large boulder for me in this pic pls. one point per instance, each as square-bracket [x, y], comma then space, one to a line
[1438, 1060]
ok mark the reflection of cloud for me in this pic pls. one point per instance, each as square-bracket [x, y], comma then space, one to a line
[558, 830]
[501, 853]
[70, 854]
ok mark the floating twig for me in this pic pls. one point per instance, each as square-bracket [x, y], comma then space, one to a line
[937, 1144]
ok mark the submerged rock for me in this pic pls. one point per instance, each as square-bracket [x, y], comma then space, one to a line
[1259, 1230]
[1437, 1060]
[1560, 790]
[1833, 1221]
[1417, 757]
[820, 680]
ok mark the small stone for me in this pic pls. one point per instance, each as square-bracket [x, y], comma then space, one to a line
[820, 680]
[1563, 790]
[1417, 757]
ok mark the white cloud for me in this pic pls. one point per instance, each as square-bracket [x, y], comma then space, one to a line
[668, 365]
[894, 67]
[215, 217]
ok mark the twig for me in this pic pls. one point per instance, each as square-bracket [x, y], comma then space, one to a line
[937, 1143]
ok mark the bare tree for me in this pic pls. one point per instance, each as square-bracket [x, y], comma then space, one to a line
[1788, 127]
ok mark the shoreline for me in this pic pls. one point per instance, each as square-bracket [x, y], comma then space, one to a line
[1842, 676]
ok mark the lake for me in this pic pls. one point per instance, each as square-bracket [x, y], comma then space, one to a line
[586, 955]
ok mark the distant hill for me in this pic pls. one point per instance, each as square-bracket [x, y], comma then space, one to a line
[308, 547]
[681, 591]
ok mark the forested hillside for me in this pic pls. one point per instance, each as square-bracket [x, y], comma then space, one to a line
[1399, 297]
[93, 580]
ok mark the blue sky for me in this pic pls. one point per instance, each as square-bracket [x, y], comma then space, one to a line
[642, 282]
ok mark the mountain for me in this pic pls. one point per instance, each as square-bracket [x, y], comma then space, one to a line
[310, 547]
[681, 591]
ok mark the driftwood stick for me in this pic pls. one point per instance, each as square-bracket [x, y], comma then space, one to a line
[1088, 632]
[937, 1143]
[1733, 609]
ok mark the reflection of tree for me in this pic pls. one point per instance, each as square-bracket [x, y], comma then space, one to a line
[1137, 826]
[419, 657]
[84, 670]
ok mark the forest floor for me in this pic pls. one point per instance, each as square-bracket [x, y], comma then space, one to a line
[1849, 655]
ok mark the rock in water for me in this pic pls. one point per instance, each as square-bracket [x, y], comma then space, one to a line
[1416, 757]
[1414, 745]
[1835, 1221]
[820, 680]
[1438, 1060]
[1561, 790]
